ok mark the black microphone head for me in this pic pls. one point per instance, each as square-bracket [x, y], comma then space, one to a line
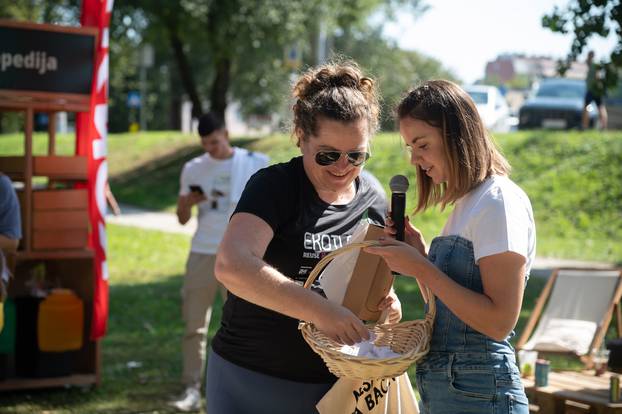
[398, 184]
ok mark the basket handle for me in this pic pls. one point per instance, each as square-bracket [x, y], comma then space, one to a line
[330, 256]
[426, 293]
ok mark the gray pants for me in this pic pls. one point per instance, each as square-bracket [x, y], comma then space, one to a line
[198, 293]
[235, 390]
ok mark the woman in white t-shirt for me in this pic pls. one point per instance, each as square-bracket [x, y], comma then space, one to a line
[479, 265]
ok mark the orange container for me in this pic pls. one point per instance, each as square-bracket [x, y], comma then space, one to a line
[60, 323]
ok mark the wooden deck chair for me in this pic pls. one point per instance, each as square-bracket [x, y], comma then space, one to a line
[579, 308]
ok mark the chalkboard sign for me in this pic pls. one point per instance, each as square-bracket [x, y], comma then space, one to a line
[46, 58]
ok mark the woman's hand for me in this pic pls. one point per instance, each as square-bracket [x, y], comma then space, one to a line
[340, 324]
[401, 257]
[412, 235]
[391, 303]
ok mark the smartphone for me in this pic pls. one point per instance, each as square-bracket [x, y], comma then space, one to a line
[196, 189]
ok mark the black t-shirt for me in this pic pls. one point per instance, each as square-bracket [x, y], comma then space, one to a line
[304, 227]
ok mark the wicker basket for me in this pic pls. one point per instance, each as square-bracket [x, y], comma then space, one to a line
[409, 339]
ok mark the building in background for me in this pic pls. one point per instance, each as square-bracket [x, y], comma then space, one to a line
[514, 68]
[237, 124]
[517, 73]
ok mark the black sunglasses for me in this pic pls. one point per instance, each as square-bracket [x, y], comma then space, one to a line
[355, 158]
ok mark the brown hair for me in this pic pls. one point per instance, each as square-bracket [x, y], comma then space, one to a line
[337, 91]
[471, 154]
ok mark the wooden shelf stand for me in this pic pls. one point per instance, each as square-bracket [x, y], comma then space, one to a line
[48, 220]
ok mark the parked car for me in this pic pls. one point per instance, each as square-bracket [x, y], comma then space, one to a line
[492, 107]
[556, 103]
[614, 107]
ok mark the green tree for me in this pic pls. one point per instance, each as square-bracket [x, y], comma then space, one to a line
[212, 51]
[245, 41]
[41, 11]
[237, 36]
[586, 18]
[395, 69]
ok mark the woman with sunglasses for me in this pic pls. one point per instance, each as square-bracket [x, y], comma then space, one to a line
[289, 215]
[479, 265]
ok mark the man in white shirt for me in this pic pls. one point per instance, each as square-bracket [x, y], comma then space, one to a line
[213, 182]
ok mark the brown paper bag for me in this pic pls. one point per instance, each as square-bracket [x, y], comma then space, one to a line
[358, 280]
[387, 396]
[371, 281]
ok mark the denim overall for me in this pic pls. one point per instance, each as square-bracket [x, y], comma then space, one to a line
[466, 371]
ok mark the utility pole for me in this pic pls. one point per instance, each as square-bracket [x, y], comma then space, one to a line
[146, 61]
[321, 43]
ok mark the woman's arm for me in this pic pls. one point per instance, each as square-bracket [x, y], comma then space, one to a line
[493, 312]
[7, 243]
[240, 267]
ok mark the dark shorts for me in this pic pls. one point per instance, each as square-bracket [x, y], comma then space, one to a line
[232, 389]
[590, 96]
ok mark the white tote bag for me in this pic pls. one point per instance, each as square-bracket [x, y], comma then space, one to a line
[387, 396]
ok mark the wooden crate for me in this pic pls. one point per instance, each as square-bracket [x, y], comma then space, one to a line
[60, 239]
[61, 167]
[12, 165]
[60, 219]
[73, 199]
[52, 166]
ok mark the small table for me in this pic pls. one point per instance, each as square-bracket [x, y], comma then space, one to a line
[573, 392]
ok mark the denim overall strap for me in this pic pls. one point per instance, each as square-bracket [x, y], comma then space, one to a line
[465, 370]
[454, 256]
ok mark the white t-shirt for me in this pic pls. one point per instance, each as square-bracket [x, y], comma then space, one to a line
[214, 177]
[496, 217]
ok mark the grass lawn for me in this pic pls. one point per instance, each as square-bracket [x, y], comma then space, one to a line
[574, 181]
[145, 328]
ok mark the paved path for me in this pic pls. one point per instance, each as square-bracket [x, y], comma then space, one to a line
[152, 220]
[163, 221]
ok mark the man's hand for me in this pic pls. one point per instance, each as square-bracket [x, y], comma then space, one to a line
[185, 203]
[193, 198]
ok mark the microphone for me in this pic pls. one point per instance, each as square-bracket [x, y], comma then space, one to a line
[398, 186]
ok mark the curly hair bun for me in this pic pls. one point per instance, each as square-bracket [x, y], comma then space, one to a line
[337, 91]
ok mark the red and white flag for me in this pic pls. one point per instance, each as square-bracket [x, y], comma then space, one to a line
[92, 131]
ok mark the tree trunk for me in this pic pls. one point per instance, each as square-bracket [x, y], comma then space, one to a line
[174, 102]
[220, 87]
[185, 71]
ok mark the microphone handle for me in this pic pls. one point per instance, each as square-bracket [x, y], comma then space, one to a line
[398, 207]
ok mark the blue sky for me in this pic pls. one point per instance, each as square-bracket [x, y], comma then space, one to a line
[464, 35]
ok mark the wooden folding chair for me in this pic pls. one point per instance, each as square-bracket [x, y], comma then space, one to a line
[579, 303]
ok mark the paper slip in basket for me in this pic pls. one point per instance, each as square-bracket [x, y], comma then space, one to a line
[359, 280]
